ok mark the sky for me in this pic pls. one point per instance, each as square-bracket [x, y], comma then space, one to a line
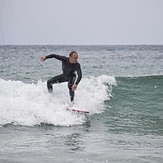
[81, 22]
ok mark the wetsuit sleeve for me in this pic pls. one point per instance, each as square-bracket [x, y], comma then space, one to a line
[78, 75]
[61, 58]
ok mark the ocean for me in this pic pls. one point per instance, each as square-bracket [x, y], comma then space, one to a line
[122, 88]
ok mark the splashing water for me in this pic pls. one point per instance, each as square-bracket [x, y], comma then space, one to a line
[31, 104]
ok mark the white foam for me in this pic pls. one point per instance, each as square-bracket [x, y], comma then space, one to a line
[31, 104]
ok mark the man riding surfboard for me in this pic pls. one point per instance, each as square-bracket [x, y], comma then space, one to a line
[71, 72]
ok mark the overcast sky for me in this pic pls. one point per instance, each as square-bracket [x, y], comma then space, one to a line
[84, 22]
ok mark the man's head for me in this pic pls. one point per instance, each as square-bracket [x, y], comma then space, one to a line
[73, 57]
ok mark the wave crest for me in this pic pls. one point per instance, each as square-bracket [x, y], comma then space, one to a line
[31, 104]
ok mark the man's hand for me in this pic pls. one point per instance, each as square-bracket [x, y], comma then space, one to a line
[74, 87]
[42, 59]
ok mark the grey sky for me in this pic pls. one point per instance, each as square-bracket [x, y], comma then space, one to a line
[81, 22]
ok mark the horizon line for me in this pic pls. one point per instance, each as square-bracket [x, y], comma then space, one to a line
[79, 44]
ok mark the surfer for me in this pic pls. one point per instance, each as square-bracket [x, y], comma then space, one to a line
[71, 72]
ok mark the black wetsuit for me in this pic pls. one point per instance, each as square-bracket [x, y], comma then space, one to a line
[71, 73]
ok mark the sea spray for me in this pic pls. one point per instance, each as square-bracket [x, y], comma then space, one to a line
[31, 104]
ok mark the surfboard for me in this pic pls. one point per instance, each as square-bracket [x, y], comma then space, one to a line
[77, 110]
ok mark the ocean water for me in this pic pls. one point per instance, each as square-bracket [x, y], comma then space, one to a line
[122, 88]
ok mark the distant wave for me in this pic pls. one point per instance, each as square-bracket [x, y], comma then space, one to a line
[147, 76]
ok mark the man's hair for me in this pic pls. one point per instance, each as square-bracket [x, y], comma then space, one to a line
[73, 52]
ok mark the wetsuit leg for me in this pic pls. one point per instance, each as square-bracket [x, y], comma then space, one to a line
[70, 84]
[57, 79]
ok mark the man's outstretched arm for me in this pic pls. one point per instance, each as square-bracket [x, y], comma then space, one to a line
[61, 58]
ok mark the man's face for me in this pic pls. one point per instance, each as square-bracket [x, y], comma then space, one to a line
[73, 58]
